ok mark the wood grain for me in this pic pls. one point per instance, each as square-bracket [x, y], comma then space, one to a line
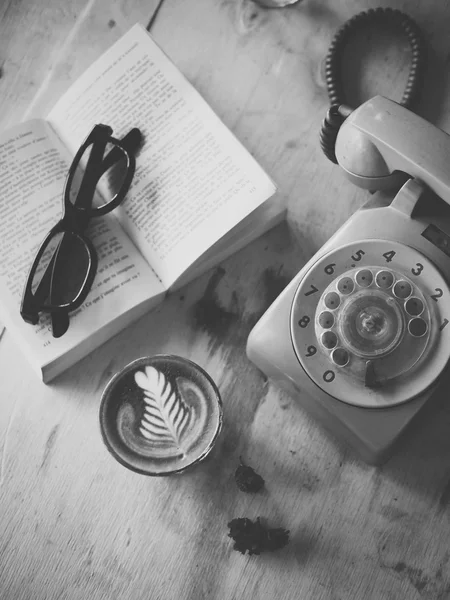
[74, 523]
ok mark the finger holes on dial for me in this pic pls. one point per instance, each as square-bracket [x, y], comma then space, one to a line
[346, 285]
[414, 306]
[329, 339]
[417, 327]
[364, 278]
[326, 320]
[332, 300]
[340, 357]
[402, 289]
[384, 279]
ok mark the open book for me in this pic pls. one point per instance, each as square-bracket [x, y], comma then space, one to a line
[197, 196]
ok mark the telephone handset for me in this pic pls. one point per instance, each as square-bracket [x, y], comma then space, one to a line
[381, 141]
[362, 333]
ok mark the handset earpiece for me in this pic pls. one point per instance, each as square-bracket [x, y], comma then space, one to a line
[381, 141]
[363, 162]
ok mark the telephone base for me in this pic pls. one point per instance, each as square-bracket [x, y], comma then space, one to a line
[313, 339]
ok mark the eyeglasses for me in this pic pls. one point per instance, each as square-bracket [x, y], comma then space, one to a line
[65, 265]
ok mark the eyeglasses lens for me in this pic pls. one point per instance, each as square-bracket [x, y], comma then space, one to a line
[105, 174]
[62, 270]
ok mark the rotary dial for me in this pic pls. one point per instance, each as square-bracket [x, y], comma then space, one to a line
[368, 323]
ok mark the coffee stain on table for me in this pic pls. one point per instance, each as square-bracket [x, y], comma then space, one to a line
[251, 17]
[392, 513]
[400, 546]
[416, 576]
[210, 315]
[274, 282]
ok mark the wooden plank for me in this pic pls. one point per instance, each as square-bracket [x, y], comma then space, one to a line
[45, 46]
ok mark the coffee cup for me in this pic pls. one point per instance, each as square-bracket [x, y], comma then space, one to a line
[160, 415]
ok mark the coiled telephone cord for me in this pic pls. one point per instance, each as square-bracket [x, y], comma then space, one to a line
[339, 110]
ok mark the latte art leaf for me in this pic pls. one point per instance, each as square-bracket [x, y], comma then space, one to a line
[166, 415]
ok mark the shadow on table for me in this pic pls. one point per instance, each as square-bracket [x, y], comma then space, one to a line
[422, 457]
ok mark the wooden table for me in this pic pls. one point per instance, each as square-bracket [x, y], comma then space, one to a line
[76, 525]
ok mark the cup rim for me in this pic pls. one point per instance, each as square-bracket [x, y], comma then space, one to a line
[104, 401]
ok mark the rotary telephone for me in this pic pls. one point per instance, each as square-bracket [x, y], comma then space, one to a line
[362, 332]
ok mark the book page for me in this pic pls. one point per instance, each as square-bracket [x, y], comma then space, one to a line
[33, 168]
[194, 181]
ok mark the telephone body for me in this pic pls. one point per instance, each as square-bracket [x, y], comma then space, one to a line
[361, 335]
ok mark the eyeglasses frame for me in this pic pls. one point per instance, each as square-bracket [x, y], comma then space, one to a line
[76, 216]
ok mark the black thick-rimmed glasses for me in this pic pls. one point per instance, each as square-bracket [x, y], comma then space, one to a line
[65, 265]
